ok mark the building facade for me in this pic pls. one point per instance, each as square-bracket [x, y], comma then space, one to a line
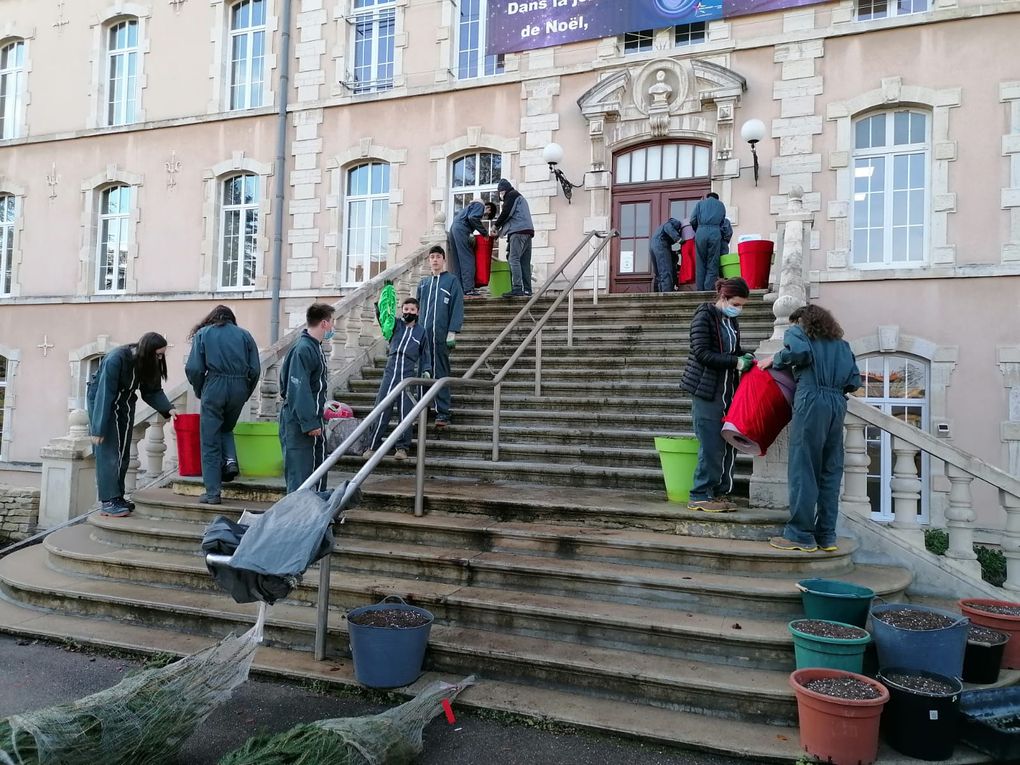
[139, 171]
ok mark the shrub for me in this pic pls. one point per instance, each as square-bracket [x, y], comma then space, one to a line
[992, 560]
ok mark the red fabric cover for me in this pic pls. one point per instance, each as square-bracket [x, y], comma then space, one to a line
[483, 260]
[686, 270]
[759, 410]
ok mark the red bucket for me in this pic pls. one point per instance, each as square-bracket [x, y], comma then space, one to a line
[483, 260]
[756, 262]
[189, 445]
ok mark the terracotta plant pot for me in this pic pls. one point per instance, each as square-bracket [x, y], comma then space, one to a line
[834, 730]
[1001, 622]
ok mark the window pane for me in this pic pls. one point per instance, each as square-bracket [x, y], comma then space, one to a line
[901, 128]
[654, 163]
[623, 168]
[685, 161]
[700, 162]
[669, 158]
[638, 166]
[918, 128]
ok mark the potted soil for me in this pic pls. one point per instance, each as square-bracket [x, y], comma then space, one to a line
[921, 719]
[983, 659]
[1000, 615]
[918, 637]
[828, 644]
[839, 714]
[388, 642]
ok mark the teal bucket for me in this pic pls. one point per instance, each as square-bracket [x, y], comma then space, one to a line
[388, 657]
[679, 458]
[836, 601]
[817, 651]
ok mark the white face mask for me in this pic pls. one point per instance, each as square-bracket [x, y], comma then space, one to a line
[732, 311]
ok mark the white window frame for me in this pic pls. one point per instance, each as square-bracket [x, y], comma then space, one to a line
[123, 220]
[373, 13]
[640, 41]
[372, 202]
[251, 86]
[888, 153]
[245, 240]
[865, 10]
[465, 193]
[12, 88]
[8, 247]
[122, 95]
[686, 35]
[479, 64]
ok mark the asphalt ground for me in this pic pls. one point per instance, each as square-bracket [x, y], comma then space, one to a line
[36, 674]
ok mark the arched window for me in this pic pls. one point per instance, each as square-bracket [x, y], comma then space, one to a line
[122, 61]
[367, 222]
[891, 189]
[898, 386]
[8, 213]
[113, 240]
[662, 162]
[239, 231]
[474, 176]
[247, 53]
[12, 74]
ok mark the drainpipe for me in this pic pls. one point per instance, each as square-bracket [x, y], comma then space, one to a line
[280, 169]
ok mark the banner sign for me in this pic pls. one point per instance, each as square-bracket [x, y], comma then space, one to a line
[516, 25]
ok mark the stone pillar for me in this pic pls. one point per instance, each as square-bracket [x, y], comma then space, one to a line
[68, 474]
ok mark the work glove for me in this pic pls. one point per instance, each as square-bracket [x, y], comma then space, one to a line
[427, 375]
[675, 247]
[745, 362]
[451, 340]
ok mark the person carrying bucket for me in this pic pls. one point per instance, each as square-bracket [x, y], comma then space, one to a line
[826, 372]
[223, 369]
[711, 378]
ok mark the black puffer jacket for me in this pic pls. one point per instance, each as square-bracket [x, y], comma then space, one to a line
[707, 359]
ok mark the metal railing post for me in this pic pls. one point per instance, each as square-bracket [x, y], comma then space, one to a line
[538, 363]
[496, 393]
[322, 608]
[595, 285]
[419, 475]
[570, 319]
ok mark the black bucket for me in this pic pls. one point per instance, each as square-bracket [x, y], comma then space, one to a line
[921, 725]
[983, 658]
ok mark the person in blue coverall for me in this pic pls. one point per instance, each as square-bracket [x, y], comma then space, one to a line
[303, 383]
[223, 369]
[825, 369]
[110, 400]
[408, 357]
[712, 234]
[665, 241]
[461, 244]
[441, 306]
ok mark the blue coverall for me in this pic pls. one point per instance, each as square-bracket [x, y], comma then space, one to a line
[663, 261]
[441, 311]
[303, 382]
[408, 357]
[223, 369]
[711, 230]
[826, 371]
[461, 245]
[111, 401]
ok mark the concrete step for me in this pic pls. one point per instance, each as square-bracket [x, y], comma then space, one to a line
[564, 372]
[620, 403]
[596, 387]
[539, 434]
[677, 423]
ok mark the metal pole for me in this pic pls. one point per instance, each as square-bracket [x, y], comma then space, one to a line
[280, 169]
[322, 609]
[538, 363]
[496, 391]
[595, 284]
[570, 318]
[419, 476]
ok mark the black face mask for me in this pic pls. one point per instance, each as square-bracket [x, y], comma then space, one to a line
[410, 318]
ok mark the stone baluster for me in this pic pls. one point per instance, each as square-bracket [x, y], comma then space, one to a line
[269, 392]
[960, 517]
[855, 468]
[905, 485]
[1011, 540]
[339, 352]
[155, 446]
[134, 462]
[68, 486]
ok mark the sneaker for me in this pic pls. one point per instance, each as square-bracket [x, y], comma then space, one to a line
[368, 453]
[473, 295]
[400, 454]
[210, 499]
[125, 503]
[782, 543]
[710, 506]
[442, 424]
[114, 509]
[726, 499]
[515, 294]
[831, 547]
[230, 471]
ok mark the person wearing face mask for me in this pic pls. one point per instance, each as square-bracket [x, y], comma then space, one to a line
[303, 383]
[715, 358]
[442, 314]
[408, 357]
[826, 371]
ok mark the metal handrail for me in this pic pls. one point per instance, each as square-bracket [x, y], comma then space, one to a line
[420, 411]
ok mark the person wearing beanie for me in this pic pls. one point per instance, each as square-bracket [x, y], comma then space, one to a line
[514, 222]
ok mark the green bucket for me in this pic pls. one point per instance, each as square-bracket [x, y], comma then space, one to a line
[835, 601]
[258, 448]
[499, 278]
[679, 458]
[816, 651]
[730, 265]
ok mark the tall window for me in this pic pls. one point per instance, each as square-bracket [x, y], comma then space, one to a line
[689, 34]
[880, 9]
[374, 35]
[12, 72]
[114, 239]
[247, 53]
[890, 189]
[239, 231]
[367, 220]
[475, 177]
[898, 386]
[8, 211]
[471, 58]
[638, 42]
[122, 73]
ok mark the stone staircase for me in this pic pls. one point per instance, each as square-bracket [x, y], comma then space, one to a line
[559, 575]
